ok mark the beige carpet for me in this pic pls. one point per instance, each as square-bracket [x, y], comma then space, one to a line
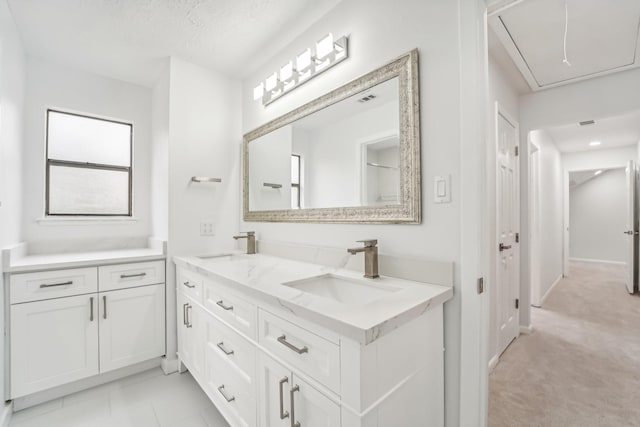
[581, 365]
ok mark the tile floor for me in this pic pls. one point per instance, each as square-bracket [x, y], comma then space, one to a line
[148, 399]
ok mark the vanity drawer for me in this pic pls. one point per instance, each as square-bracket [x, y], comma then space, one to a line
[53, 284]
[232, 309]
[121, 276]
[306, 351]
[229, 390]
[190, 284]
[236, 352]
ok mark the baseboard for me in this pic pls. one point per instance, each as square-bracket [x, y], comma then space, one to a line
[169, 366]
[526, 329]
[546, 294]
[493, 362]
[5, 414]
[599, 261]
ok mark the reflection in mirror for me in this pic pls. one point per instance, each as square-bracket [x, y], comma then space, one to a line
[345, 155]
[350, 156]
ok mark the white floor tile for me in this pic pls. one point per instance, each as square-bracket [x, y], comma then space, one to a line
[150, 399]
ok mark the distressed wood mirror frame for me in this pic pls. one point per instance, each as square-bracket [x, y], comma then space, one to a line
[408, 211]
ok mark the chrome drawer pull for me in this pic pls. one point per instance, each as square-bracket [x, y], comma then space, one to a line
[104, 300]
[188, 285]
[283, 340]
[91, 314]
[226, 307]
[228, 399]
[224, 350]
[44, 285]
[127, 276]
[283, 414]
[184, 313]
[294, 423]
[189, 324]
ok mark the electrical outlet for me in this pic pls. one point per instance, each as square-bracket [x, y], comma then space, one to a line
[207, 229]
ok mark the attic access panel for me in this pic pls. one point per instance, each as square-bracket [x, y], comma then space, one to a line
[602, 37]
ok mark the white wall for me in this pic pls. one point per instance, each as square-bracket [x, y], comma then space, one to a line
[598, 210]
[551, 211]
[12, 87]
[601, 97]
[160, 155]
[204, 140]
[503, 91]
[444, 42]
[52, 85]
[599, 159]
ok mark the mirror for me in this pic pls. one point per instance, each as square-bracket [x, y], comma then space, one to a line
[352, 155]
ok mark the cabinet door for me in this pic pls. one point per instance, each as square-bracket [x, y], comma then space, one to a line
[132, 326]
[274, 383]
[311, 408]
[53, 342]
[190, 335]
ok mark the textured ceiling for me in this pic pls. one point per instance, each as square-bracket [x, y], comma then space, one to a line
[612, 132]
[128, 39]
[601, 37]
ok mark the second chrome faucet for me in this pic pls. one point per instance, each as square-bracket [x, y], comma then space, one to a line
[370, 257]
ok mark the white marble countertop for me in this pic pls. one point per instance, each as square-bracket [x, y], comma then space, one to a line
[262, 277]
[18, 260]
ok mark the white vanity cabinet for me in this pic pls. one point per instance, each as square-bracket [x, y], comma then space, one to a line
[263, 365]
[70, 324]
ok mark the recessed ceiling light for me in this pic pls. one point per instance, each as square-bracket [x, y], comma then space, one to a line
[594, 143]
[597, 173]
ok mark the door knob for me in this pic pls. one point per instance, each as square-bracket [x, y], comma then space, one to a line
[629, 232]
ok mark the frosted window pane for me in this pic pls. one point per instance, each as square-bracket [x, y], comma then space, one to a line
[88, 140]
[83, 191]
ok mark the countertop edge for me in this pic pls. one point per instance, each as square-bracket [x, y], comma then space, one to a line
[30, 268]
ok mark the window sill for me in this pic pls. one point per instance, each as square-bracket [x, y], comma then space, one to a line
[85, 220]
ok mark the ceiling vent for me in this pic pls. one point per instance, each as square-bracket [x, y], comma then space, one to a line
[587, 123]
[367, 98]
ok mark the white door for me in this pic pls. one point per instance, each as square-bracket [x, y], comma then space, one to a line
[507, 216]
[632, 228]
[311, 408]
[274, 385]
[131, 326]
[53, 342]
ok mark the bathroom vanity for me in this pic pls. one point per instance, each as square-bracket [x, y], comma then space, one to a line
[278, 342]
[82, 316]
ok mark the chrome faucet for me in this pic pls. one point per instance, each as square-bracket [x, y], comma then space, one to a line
[370, 257]
[251, 241]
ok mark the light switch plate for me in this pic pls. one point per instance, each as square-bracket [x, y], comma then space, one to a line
[442, 189]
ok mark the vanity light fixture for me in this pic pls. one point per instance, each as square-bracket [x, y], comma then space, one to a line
[326, 53]
[598, 172]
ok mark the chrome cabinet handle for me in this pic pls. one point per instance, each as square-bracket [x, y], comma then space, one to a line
[45, 285]
[188, 285]
[226, 307]
[283, 414]
[104, 302]
[128, 276]
[220, 345]
[294, 423]
[184, 313]
[282, 339]
[227, 398]
[91, 314]
[189, 324]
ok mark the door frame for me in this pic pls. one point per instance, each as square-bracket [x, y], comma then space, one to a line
[534, 219]
[499, 110]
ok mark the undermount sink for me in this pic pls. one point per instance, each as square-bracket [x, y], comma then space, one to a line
[343, 289]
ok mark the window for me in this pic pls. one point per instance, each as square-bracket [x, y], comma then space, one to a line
[295, 181]
[88, 165]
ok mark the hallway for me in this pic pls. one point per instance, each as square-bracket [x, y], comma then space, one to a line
[581, 364]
